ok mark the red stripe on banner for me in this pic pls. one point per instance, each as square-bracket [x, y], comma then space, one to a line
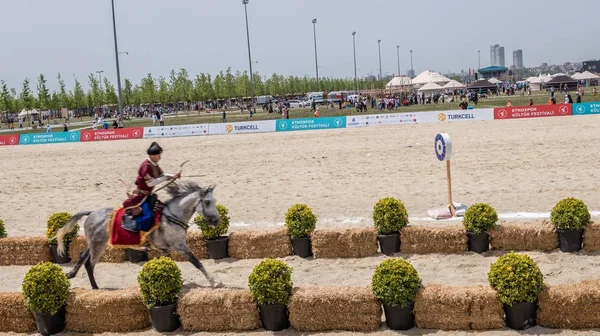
[112, 134]
[9, 140]
[536, 111]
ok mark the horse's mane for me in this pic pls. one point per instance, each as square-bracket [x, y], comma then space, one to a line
[182, 189]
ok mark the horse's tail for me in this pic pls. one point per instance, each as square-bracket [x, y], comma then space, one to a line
[68, 227]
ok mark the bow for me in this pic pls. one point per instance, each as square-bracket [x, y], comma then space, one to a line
[173, 180]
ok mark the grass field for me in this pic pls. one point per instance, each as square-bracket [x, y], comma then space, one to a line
[183, 117]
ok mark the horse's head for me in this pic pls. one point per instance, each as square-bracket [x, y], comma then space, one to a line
[207, 206]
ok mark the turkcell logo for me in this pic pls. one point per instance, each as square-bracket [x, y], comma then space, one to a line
[310, 124]
[46, 138]
[586, 108]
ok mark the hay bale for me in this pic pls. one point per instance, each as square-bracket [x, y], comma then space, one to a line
[524, 237]
[110, 254]
[348, 243]
[430, 239]
[23, 251]
[195, 241]
[591, 238]
[260, 244]
[97, 311]
[14, 315]
[573, 306]
[334, 308]
[458, 308]
[218, 310]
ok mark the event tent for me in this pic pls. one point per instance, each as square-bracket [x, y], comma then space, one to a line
[586, 75]
[562, 80]
[399, 81]
[453, 84]
[431, 87]
[430, 76]
[494, 80]
[482, 84]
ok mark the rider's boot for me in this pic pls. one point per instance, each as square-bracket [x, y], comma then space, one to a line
[129, 222]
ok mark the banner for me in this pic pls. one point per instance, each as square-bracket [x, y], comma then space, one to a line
[309, 124]
[175, 131]
[112, 134]
[242, 127]
[380, 119]
[9, 140]
[47, 138]
[586, 108]
[536, 111]
[453, 116]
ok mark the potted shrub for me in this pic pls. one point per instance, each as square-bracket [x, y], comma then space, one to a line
[136, 256]
[271, 286]
[517, 281]
[396, 283]
[55, 222]
[160, 283]
[478, 220]
[569, 217]
[389, 217]
[301, 222]
[46, 290]
[215, 241]
[2, 229]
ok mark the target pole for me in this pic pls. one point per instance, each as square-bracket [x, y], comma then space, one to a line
[452, 208]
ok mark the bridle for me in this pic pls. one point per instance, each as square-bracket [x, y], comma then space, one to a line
[178, 221]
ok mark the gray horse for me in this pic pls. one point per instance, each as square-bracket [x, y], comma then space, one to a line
[187, 198]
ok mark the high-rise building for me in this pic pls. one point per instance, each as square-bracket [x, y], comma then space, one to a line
[501, 59]
[518, 59]
[497, 55]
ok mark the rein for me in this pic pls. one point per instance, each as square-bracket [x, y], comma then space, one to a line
[176, 220]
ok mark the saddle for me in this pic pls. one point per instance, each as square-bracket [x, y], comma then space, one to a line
[151, 208]
[138, 237]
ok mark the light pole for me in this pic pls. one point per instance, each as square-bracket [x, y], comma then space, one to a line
[479, 59]
[117, 60]
[379, 47]
[398, 52]
[412, 69]
[314, 21]
[354, 48]
[245, 2]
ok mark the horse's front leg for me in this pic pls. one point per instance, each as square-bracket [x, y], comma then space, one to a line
[185, 251]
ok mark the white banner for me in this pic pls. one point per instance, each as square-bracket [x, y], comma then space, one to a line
[452, 116]
[175, 131]
[380, 119]
[242, 127]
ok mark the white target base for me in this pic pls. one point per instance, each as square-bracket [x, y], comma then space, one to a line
[445, 212]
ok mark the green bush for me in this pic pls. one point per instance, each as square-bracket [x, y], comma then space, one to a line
[46, 288]
[570, 214]
[211, 232]
[271, 282]
[480, 218]
[2, 230]
[516, 278]
[395, 282]
[57, 221]
[160, 282]
[389, 216]
[300, 221]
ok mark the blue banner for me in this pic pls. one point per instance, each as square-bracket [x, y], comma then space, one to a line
[586, 108]
[47, 138]
[309, 124]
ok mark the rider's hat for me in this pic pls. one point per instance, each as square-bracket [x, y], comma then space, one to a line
[154, 149]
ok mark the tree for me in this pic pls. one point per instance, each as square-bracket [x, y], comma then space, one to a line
[27, 99]
[6, 99]
[148, 90]
[43, 93]
[63, 96]
[95, 93]
[127, 92]
[110, 93]
[78, 96]
[164, 92]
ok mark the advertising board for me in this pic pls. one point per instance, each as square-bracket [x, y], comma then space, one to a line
[457, 115]
[9, 140]
[175, 131]
[242, 127]
[535, 111]
[380, 119]
[47, 138]
[112, 134]
[310, 124]
[586, 108]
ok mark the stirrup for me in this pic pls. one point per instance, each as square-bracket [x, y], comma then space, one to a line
[128, 223]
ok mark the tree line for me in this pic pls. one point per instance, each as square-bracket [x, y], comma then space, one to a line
[179, 87]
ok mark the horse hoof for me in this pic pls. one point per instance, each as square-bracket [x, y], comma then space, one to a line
[218, 284]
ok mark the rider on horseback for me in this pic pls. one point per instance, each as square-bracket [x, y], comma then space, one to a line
[139, 207]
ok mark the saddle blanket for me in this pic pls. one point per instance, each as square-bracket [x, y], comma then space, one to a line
[119, 237]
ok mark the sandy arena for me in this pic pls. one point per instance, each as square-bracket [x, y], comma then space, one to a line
[514, 165]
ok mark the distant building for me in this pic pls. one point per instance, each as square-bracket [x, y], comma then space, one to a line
[591, 66]
[410, 73]
[497, 55]
[493, 71]
[518, 59]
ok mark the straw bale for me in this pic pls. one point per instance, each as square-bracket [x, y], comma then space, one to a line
[23, 250]
[14, 315]
[348, 243]
[334, 308]
[591, 238]
[260, 244]
[217, 310]
[524, 236]
[430, 239]
[573, 306]
[110, 254]
[97, 311]
[458, 308]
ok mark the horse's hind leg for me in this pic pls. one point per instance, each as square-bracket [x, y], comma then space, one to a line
[185, 251]
[83, 258]
[95, 253]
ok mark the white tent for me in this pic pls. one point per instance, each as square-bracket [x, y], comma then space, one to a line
[454, 85]
[431, 87]
[586, 75]
[25, 113]
[399, 81]
[430, 76]
[576, 76]
[494, 80]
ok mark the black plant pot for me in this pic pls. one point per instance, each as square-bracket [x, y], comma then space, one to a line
[400, 318]
[136, 256]
[570, 240]
[218, 248]
[274, 317]
[165, 318]
[478, 242]
[521, 315]
[58, 259]
[48, 324]
[302, 247]
[389, 244]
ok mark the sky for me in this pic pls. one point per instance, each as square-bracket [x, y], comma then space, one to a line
[75, 37]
